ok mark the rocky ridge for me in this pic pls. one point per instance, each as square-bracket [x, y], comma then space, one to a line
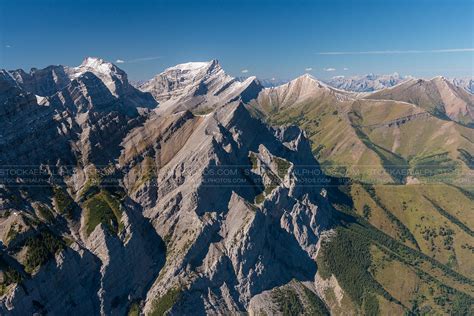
[437, 95]
[199, 86]
[366, 83]
[137, 204]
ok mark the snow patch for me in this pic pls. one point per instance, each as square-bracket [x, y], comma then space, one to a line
[191, 66]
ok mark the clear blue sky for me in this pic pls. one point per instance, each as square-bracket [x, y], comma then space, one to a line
[268, 38]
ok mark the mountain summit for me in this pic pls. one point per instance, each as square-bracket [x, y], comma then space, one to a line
[437, 95]
[367, 83]
[199, 86]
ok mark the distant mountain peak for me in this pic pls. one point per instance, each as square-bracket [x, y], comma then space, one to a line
[93, 62]
[437, 95]
[466, 83]
[113, 77]
[308, 76]
[194, 85]
[96, 65]
[310, 82]
[266, 82]
[366, 83]
[194, 67]
[439, 78]
[301, 89]
[189, 66]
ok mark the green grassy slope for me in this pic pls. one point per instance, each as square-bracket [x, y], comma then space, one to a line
[408, 248]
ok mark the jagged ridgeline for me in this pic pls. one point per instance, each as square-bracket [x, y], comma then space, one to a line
[192, 194]
[406, 151]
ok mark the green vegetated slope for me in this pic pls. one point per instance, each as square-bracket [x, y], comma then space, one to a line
[360, 139]
[382, 275]
[336, 144]
[432, 149]
[436, 220]
[34, 239]
[295, 298]
[103, 208]
[409, 245]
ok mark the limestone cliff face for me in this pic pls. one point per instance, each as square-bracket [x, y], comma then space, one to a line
[199, 86]
[234, 210]
[42, 82]
[138, 204]
[27, 128]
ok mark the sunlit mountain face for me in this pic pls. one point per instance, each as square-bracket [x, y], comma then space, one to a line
[234, 158]
[198, 189]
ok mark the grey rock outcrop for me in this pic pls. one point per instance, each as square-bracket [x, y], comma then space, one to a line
[211, 209]
[199, 86]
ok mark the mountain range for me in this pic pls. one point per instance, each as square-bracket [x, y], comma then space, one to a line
[465, 83]
[196, 193]
[366, 83]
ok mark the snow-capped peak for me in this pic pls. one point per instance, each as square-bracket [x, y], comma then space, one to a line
[197, 84]
[367, 83]
[97, 66]
[93, 62]
[112, 76]
[192, 68]
[464, 83]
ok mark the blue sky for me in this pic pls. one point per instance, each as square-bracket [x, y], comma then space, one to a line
[281, 39]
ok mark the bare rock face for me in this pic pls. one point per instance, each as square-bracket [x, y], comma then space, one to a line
[64, 285]
[116, 81]
[92, 107]
[50, 80]
[42, 82]
[233, 210]
[199, 86]
[130, 261]
[28, 128]
[142, 207]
